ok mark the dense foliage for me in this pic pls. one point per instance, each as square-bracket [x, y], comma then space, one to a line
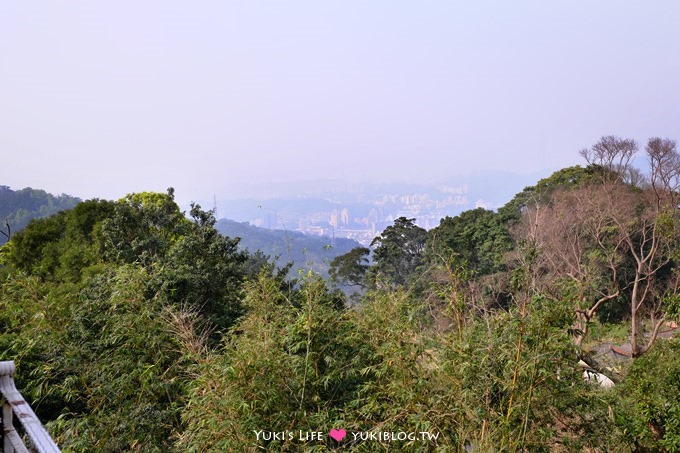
[138, 328]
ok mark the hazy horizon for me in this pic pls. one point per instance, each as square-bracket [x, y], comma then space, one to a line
[103, 99]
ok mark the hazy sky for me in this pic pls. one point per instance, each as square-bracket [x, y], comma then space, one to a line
[102, 98]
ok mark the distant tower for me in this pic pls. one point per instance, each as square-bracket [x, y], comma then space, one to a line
[214, 208]
[344, 216]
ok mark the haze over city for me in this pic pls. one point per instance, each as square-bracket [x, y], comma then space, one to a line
[100, 99]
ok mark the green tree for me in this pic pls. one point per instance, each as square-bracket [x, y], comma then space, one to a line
[542, 191]
[398, 251]
[202, 270]
[351, 267]
[61, 246]
[476, 238]
[143, 227]
[35, 250]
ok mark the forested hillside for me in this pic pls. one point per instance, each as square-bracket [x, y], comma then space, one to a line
[303, 250]
[135, 328]
[18, 207]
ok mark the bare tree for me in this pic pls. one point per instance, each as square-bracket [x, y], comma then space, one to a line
[612, 154]
[577, 246]
[589, 236]
[664, 163]
[649, 231]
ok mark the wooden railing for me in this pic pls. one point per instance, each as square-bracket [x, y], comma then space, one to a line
[14, 405]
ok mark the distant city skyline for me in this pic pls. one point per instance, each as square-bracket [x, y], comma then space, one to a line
[100, 99]
[362, 211]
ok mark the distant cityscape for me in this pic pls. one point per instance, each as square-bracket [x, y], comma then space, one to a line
[364, 221]
[361, 212]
